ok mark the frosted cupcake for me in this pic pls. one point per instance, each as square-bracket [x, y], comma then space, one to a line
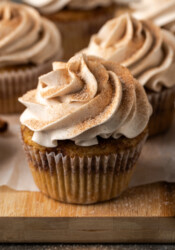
[149, 53]
[28, 45]
[83, 130]
[161, 12]
[76, 19]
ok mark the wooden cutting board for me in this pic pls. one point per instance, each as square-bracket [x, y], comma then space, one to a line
[142, 214]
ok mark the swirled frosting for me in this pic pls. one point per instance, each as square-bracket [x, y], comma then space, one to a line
[161, 12]
[145, 49]
[52, 6]
[85, 98]
[25, 36]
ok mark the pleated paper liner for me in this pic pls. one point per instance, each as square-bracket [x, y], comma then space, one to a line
[85, 179]
[163, 110]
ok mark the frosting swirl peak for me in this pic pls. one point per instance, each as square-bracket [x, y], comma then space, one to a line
[85, 98]
[25, 36]
[144, 48]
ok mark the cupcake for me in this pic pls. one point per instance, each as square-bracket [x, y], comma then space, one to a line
[28, 45]
[161, 12]
[76, 19]
[149, 53]
[83, 129]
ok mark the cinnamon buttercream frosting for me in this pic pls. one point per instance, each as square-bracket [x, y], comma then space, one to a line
[147, 50]
[25, 36]
[85, 98]
[52, 6]
[161, 12]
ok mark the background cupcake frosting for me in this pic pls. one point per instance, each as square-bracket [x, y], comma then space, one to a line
[161, 12]
[26, 37]
[145, 49]
[51, 6]
[92, 98]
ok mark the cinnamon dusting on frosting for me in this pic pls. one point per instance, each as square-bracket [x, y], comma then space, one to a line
[145, 49]
[99, 100]
[36, 123]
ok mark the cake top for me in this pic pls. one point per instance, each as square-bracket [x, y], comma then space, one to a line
[85, 98]
[52, 6]
[147, 50]
[25, 36]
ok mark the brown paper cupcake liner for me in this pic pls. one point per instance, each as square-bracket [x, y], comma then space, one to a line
[163, 110]
[15, 83]
[85, 179]
[76, 34]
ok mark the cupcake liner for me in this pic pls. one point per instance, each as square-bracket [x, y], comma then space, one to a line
[85, 179]
[163, 110]
[76, 34]
[14, 83]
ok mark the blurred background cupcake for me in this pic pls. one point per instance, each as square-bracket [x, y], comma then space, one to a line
[161, 12]
[83, 129]
[149, 53]
[76, 19]
[28, 45]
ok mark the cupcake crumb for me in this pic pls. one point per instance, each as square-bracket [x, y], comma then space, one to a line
[3, 126]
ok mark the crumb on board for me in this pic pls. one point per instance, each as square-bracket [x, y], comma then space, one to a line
[3, 126]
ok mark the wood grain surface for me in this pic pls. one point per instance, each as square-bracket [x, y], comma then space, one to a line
[142, 214]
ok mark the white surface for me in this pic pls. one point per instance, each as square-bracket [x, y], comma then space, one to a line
[14, 171]
[157, 161]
